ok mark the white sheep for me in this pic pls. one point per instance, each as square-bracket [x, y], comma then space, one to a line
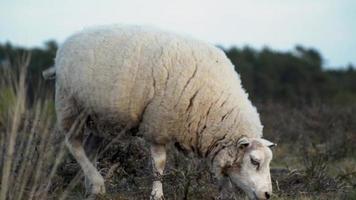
[174, 89]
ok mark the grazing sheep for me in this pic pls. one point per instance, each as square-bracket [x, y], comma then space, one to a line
[174, 89]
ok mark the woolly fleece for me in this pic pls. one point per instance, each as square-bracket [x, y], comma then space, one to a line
[174, 88]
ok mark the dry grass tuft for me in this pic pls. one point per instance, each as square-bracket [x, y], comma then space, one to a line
[30, 153]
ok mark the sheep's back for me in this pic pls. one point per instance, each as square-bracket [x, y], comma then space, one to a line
[117, 71]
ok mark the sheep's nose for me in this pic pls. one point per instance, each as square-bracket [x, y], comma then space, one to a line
[268, 195]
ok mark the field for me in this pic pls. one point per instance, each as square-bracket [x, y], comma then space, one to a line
[314, 159]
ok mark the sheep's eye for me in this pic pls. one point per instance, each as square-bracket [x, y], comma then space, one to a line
[255, 162]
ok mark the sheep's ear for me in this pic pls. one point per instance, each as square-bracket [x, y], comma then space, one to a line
[243, 142]
[268, 143]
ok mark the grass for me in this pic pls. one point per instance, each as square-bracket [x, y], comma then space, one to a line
[314, 158]
[29, 157]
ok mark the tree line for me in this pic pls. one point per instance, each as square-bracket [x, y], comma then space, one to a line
[295, 77]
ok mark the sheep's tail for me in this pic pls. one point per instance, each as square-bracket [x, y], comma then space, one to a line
[49, 73]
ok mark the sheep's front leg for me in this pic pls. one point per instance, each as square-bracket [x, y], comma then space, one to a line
[158, 154]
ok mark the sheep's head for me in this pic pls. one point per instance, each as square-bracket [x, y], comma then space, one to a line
[246, 165]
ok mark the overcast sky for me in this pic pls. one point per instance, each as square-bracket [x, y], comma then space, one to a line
[326, 25]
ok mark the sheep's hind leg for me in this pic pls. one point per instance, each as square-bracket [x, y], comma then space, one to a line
[71, 120]
[74, 141]
[92, 147]
[76, 148]
[158, 154]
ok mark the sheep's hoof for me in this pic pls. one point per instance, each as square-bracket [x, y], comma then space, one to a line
[156, 196]
[97, 197]
[98, 189]
[93, 197]
[95, 192]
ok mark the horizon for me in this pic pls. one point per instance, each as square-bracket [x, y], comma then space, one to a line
[326, 26]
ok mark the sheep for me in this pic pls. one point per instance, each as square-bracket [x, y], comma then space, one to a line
[174, 89]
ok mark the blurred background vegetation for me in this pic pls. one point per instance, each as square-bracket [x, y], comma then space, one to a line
[294, 78]
[307, 109]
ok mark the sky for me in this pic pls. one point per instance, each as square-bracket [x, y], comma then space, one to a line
[326, 25]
